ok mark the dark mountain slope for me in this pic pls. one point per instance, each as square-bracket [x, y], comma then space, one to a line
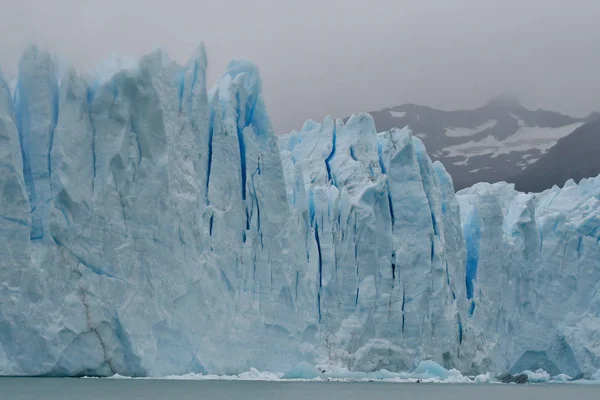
[573, 157]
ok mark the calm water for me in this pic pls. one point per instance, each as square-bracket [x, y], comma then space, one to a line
[97, 389]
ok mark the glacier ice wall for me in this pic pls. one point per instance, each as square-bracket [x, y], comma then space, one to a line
[375, 215]
[150, 227]
[533, 273]
[144, 225]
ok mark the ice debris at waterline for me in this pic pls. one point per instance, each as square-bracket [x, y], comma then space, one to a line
[149, 227]
[426, 372]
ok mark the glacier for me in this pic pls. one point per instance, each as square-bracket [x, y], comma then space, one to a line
[150, 227]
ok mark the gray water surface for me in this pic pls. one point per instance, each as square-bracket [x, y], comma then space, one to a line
[130, 389]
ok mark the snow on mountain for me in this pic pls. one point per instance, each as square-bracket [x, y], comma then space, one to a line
[488, 144]
[397, 114]
[573, 157]
[151, 227]
[525, 139]
[459, 132]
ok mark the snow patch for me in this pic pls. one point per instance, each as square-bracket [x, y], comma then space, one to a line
[398, 114]
[525, 139]
[462, 132]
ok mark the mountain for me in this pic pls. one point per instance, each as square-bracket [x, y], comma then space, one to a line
[488, 144]
[151, 227]
[573, 157]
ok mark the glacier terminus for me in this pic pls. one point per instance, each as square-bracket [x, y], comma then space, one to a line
[150, 226]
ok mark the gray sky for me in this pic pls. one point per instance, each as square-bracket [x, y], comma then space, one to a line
[338, 57]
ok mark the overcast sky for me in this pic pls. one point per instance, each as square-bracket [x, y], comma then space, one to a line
[338, 57]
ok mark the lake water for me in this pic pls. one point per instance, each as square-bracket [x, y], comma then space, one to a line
[130, 389]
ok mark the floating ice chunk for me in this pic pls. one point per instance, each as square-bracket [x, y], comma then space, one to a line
[455, 376]
[539, 376]
[302, 370]
[348, 375]
[384, 374]
[430, 370]
[192, 376]
[427, 371]
[256, 375]
[484, 378]
[117, 376]
[562, 378]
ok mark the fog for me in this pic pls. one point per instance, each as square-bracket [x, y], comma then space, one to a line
[339, 57]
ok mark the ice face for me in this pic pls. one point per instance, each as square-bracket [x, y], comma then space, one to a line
[133, 242]
[375, 230]
[151, 227]
[536, 286]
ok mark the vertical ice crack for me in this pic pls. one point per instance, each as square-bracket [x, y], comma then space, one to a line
[90, 97]
[53, 124]
[242, 146]
[472, 235]
[403, 304]
[460, 330]
[315, 225]
[194, 79]
[320, 268]
[330, 176]
[22, 122]
[182, 88]
[352, 155]
[255, 201]
[137, 140]
[211, 130]
[387, 183]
